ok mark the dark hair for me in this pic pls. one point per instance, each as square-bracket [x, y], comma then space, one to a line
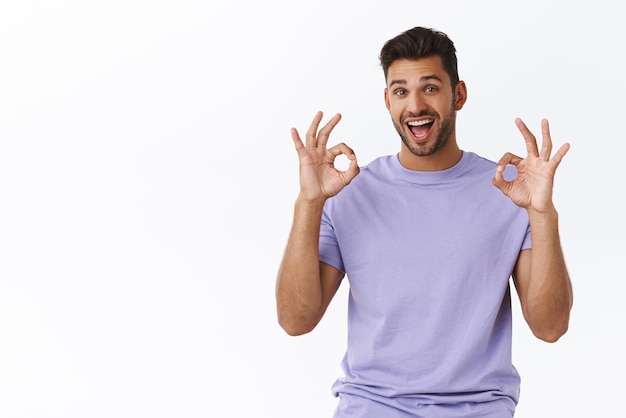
[421, 42]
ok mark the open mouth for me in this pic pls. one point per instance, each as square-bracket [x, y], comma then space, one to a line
[420, 128]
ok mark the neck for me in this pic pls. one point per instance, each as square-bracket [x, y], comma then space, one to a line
[442, 159]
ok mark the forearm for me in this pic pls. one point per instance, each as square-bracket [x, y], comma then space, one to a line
[549, 294]
[298, 286]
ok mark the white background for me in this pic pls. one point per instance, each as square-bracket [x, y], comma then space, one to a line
[147, 180]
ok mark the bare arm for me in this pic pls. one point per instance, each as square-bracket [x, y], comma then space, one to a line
[305, 286]
[543, 283]
[541, 277]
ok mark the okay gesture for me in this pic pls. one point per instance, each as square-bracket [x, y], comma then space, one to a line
[319, 178]
[532, 188]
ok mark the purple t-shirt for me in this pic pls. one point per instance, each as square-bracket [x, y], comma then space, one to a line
[428, 256]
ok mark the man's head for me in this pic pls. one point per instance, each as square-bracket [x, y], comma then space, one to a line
[423, 93]
[421, 42]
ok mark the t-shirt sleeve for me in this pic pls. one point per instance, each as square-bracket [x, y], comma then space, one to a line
[328, 245]
[527, 243]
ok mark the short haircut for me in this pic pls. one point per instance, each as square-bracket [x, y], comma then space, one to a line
[421, 42]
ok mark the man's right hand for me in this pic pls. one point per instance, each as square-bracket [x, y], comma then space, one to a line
[319, 179]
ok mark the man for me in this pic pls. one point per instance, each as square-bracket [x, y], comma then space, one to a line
[428, 245]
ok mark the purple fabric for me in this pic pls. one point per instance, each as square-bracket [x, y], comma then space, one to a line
[428, 257]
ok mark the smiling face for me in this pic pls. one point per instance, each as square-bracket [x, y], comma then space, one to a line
[423, 105]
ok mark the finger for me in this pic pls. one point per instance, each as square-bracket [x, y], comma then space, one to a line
[546, 143]
[311, 134]
[508, 158]
[352, 171]
[295, 136]
[531, 141]
[498, 179]
[324, 133]
[353, 168]
[340, 149]
[558, 156]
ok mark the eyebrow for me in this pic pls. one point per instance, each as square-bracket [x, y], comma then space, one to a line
[422, 80]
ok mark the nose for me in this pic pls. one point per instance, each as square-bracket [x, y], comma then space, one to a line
[416, 104]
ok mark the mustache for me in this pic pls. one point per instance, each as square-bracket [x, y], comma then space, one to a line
[418, 115]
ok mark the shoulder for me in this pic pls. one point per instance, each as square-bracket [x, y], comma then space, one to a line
[476, 162]
[373, 180]
[480, 164]
[378, 170]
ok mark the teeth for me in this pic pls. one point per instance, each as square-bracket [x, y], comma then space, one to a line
[420, 122]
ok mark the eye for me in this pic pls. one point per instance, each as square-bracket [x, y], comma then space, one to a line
[400, 92]
[430, 89]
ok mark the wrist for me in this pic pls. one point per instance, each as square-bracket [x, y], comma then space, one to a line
[547, 215]
[310, 203]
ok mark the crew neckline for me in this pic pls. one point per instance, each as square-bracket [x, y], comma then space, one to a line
[429, 177]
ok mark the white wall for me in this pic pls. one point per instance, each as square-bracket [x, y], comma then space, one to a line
[147, 180]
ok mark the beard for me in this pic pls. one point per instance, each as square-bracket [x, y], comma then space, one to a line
[445, 132]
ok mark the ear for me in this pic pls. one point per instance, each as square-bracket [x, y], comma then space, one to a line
[460, 95]
[387, 99]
